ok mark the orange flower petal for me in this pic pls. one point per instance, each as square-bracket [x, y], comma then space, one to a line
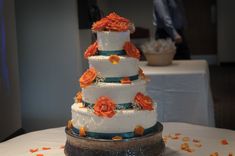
[69, 124]
[46, 148]
[114, 59]
[224, 142]
[139, 130]
[125, 80]
[79, 97]
[117, 138]
[33, 150]
[40, 155]
[82, 132]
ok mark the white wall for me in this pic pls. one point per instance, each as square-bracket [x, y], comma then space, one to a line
[138, 11]
[10, 117]
[226, 30]
[50, 60]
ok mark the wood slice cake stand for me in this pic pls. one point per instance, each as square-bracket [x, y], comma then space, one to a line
[148, 145]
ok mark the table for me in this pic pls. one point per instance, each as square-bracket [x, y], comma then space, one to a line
[54, 138]
[182, 91]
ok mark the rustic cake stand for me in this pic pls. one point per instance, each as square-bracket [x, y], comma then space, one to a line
[148, 145]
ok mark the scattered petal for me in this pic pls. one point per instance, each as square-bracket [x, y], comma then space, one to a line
[117, 138]
[214, 154]
[139, 130]
[46, 148]
[224, 142]
[33, 150]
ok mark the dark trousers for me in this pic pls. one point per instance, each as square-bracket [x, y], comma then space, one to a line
[182, 50]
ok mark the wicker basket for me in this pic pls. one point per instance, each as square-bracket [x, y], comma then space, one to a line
[160, 59]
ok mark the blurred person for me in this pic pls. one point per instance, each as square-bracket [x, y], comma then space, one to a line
[169, 19]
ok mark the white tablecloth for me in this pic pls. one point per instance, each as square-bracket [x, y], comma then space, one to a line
[55, 138]
[182, 91]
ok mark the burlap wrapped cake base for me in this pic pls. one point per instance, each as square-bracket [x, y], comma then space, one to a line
[148, 145]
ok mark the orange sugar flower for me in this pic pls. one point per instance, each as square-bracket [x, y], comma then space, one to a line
[114, 59]
[40, 154]
[104, 107]
[88, 77]
[224, 142]
[125, 80]
[131, 50]
[69, 124]
[145, 102]
[91, 50]
[79, 97]
[139, 130]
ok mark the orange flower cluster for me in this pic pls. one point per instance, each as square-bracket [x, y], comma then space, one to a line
[88, 77]
[104, 107]
[91, 50]
[131, 50]
[112, 22]
[145, 102]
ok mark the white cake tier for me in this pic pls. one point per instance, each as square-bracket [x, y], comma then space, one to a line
[119, 93]
[111, 41]
[122, 121]
[127, 66]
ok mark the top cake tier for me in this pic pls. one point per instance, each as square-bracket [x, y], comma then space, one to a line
[111, 42]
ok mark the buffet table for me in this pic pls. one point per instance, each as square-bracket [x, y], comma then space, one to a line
[202, 140]
[182, 91]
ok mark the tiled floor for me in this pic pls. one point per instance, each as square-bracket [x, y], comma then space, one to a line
[223, 90]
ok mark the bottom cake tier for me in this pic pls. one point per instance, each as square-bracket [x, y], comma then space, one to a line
[148, 145]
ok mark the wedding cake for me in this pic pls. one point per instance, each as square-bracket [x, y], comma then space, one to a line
[113, 105]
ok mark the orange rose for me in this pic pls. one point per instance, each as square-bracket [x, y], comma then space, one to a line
[91, 50]
[104, 107]
[125, 80]
[79, 97]
[114, 59]
[145, 102]
[88, 77]
[131, 50]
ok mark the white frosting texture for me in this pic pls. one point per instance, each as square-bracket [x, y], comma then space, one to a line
[110, 41]
[127, 66]
[119, 93]
[122, 121]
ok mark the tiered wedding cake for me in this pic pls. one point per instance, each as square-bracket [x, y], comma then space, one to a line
[113, 105]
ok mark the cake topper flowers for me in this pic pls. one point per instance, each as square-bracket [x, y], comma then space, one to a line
[131, 50]
[145, 102]
[113, 22]
[88, 77]
[91, 50]
[104, 107]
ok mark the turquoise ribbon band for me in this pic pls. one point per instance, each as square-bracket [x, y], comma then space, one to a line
[127, 135]
[118, 79]
[114, 52]
[123, 106]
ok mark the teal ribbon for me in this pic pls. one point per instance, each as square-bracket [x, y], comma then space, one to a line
[127, 135]
[118, 79]
[123, 106]
[113, 52]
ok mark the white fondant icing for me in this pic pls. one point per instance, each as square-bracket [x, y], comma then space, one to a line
[122, 121]
[127, 66]
[110, 41]
[119, 93]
